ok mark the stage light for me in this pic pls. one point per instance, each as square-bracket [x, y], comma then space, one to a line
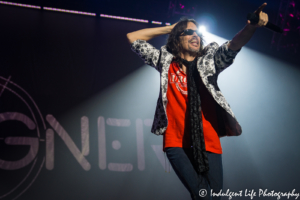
[20, 4]
[69, 11]
[202, 29]
[155, 22]
[124, 18]
[168, 24]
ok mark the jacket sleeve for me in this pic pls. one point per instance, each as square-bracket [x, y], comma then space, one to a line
[147, 52]
[224, 57]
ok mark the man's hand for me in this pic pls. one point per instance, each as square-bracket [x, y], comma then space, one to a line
[172, 26]
[263, 17]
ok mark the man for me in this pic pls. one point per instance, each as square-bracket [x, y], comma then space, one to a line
[191, 113]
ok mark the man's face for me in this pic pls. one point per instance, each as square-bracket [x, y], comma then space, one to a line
[190, 43]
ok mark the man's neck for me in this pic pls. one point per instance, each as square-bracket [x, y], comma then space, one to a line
[187, 56]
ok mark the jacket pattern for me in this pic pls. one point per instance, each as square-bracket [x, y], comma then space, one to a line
[215, 59]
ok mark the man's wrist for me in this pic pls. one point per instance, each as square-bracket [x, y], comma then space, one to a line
[251, 26]
[168, 29]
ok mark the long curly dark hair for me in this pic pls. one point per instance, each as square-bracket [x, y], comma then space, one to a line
[174, 45]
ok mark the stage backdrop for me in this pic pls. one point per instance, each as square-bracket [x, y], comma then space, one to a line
[76, 110]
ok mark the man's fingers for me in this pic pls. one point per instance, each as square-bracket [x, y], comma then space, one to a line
[260, 8]
[264, 18]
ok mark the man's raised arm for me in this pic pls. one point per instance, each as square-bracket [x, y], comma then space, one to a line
[241, 38]
[149, 33]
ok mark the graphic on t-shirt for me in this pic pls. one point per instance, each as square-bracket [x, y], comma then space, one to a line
[179, 79]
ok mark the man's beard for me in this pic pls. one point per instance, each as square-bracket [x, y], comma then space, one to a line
[193, 50]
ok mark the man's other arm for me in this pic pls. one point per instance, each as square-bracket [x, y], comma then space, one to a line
[149, 33]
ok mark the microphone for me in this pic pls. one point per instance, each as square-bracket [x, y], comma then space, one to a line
[253, 18]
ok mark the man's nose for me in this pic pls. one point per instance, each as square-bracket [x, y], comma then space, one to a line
[195, 34]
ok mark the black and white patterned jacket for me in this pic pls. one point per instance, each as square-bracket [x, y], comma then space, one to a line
[215, 60]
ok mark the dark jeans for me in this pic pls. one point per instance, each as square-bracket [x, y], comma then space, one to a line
[180, 159]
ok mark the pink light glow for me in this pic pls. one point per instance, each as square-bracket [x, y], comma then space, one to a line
[20, 4]
[286, 29]
[291, 15]
[155, 22]
[124, 18]
[293, 4]
[69, 11]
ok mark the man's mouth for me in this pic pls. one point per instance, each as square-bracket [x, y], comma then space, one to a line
[194, 43]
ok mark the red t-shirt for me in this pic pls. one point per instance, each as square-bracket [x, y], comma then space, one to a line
[177, 133]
